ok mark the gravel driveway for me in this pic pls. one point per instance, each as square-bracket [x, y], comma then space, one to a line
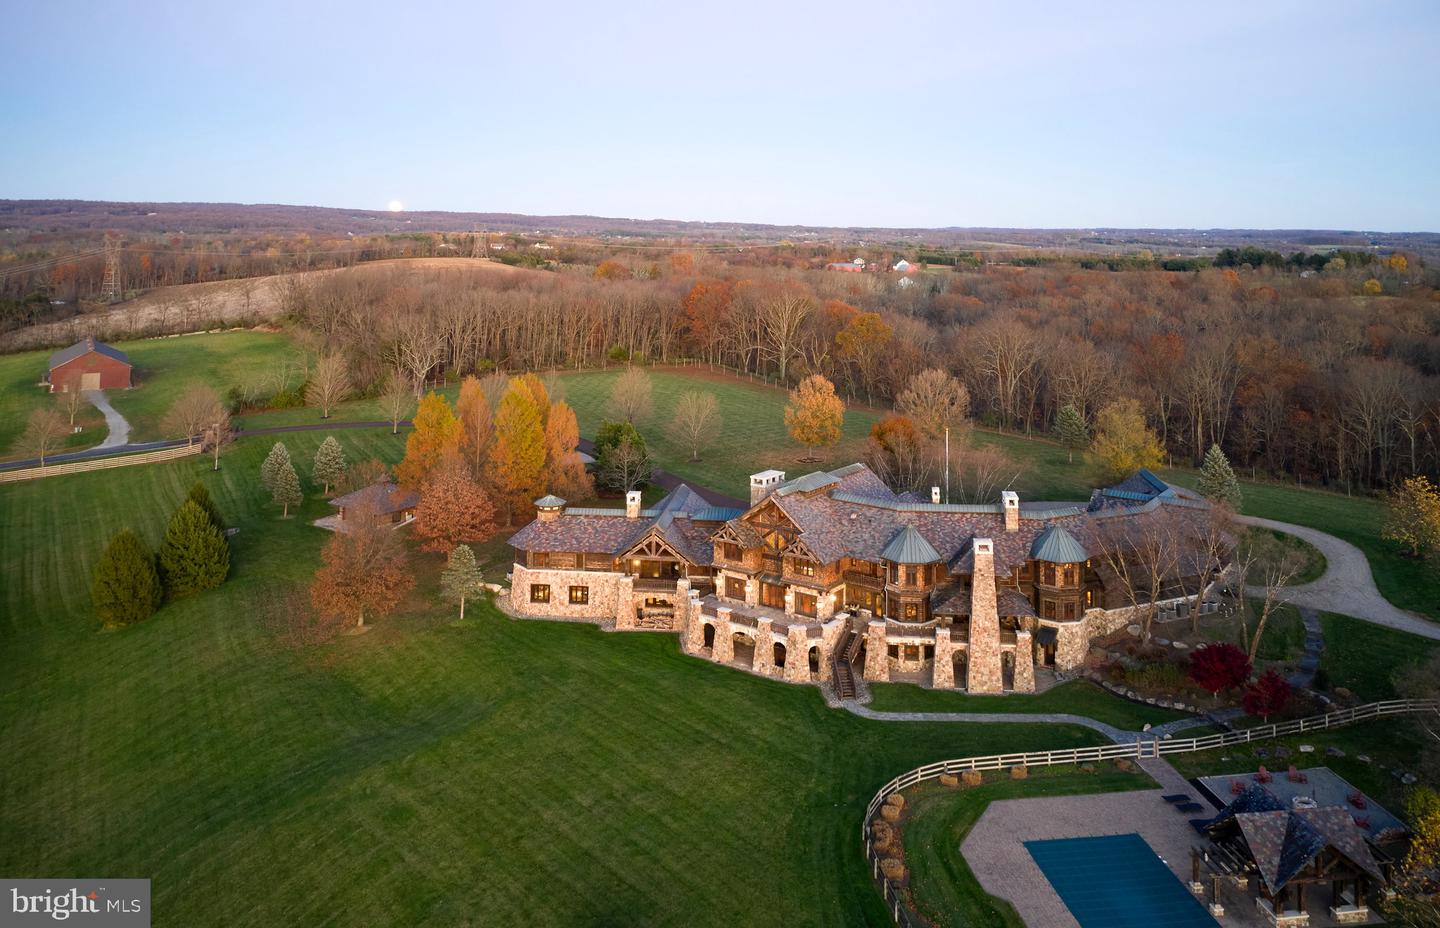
[119, 429]
[1347, 586]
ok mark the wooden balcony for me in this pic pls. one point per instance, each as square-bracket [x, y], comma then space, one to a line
[861, 578]
[654, 585]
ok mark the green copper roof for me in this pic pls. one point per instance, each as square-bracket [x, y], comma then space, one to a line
[909, 547]
[1058, 547]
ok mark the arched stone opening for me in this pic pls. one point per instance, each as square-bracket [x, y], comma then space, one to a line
[709, 640]
[962, 668]
[813, 656]
[777, 654]
[1007, 670]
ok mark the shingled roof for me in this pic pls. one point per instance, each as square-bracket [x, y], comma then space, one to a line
[1283, 843]
[84, 347]
[384, 497]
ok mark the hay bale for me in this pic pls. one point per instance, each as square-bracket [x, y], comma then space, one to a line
[1125, 766]
[1019, 772]
[881, 834]
[890, 813]
[972, 777]
[895, 799]
[950, 780]
[893, 869]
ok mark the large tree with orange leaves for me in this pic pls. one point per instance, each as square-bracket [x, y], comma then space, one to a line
[517, 456]
[567, 475]
[453, 508]
[365, 569]
[477, 429]
[815, 415]
[436, 435]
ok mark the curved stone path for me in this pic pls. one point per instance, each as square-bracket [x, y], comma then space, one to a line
[1117, 735]
[1347, 587]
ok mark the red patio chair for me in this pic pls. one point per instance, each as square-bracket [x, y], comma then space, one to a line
[1362, 822]
[1296, 775]
[1236, 787]
[1263, 776]
[1356, 799]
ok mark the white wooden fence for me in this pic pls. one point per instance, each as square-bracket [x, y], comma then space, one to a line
[1142, 748]
[89, 464]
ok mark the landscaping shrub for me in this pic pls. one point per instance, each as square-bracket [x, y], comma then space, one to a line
[1220, 666]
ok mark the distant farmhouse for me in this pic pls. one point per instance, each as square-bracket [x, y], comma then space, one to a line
[971, 597]
[851, 267]
[90, 365]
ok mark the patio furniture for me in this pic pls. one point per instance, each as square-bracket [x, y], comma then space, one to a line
[1362, 821]
[1263, 776]
[1356, 799]
[1236, 787]
[1189, 808]
[1296, 775]
[1176, 797]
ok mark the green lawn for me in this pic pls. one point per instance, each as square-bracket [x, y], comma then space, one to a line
[1364, 657]
[942, 886]
[497, 772]
[163, 367]
[1077, 697]
[1283, 639]
[1274, 548]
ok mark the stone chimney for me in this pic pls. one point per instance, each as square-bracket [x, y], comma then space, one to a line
[632, 504]
[983, 670]
[935, 495]
[1011, 501]
[764, 483]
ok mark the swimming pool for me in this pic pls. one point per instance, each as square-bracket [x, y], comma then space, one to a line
[1117, 881]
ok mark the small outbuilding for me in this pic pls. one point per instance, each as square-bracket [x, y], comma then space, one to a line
[89, 365]
[389, 503]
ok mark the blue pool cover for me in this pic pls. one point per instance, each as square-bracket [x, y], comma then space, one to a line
[1117, 881]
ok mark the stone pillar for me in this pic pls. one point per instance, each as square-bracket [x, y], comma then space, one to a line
[693, 626]
[797, 655]
[877, 666]
[764, 659]
[752, 591]
[943, 676]
[724, 650]
[1024, 662]
[625, 603]
[984, 665]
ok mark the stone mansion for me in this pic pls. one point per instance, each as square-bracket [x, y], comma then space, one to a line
[831, 570]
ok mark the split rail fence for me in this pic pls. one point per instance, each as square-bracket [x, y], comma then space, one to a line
[1141, 748]
[89, 464]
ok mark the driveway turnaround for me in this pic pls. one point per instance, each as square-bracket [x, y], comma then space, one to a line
[1347, 586]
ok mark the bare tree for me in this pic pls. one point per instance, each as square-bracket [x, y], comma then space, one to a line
[630, 396]
[978, 473]
[1141, 551]
[781, 319]
[627, 466]
[217, 433]
[697, 421]
[71, 397]
[397, 401]
[1265, 568]
[44, 434]
[1206, 545]
[935, 401]
[192, 411]
[329, 384]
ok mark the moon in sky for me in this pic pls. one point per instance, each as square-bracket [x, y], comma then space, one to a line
[395, 206]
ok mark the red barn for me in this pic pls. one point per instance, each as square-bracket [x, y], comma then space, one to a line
[91, 365]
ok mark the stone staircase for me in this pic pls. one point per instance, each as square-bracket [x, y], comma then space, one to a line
[843, 665]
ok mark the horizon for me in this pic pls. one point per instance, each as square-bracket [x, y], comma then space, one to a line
[1294, 116]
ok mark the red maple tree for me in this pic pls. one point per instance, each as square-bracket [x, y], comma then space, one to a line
[1267, 696]
[365, 569]
[1219, 667]
[453, 509]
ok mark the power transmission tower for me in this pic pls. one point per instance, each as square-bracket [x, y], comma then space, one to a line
[110, 287]
[480, 247]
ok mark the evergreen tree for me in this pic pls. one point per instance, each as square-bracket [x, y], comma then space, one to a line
[329, 463]
[195, 555]
[1071, 430]
[286, 491]
[201, 497]
[275, 461]
[1217, 480]
[462, 577]
[126, 587]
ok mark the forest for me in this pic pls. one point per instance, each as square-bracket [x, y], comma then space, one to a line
[1319, 367]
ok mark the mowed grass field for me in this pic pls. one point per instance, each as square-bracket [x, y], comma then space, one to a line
[163, 368]
[495, 772]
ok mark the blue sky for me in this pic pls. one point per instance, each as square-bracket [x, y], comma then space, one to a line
[1258, 114]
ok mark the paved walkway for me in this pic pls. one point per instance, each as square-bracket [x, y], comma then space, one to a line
[1117, 735]
[119, 435]
[1347, 586]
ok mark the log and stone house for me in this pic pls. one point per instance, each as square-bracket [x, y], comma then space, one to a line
[88, 365]
[961, 596]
